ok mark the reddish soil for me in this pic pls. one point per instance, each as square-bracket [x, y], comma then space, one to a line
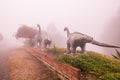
[23, 66]
[3, 65]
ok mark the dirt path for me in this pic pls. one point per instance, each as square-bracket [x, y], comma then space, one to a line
[16, 64]
[5, 48]
[3, 65]
[23, 66]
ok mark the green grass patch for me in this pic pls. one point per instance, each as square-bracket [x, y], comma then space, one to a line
[93, 63]
[110, 76]
[56, 49]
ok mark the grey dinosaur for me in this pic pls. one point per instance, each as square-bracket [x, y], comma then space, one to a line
[76, 39]
[38, 38]
[47, 42]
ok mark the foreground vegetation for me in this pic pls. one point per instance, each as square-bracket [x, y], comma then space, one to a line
[101, 66]
[117, 56]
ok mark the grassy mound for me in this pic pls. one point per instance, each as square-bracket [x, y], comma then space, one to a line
[56, 50]
[110, 76]
[95, 64]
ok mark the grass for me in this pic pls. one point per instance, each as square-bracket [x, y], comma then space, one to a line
[117, 56]
[93, 63]
[110, 76]
[56, 50]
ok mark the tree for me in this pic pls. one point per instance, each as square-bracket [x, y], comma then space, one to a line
[26, 32]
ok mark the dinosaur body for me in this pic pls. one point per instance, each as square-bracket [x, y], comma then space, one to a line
[47, 42]
[38, 38]
[77, 39]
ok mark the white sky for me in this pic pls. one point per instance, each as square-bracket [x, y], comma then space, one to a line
[86, 16]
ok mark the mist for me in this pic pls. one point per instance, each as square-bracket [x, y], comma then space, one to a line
[9, 44]
[89, 17]
[111, 32]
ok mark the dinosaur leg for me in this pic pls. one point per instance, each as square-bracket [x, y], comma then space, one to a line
[36, 44]
[73, 50]
[68, 48]
[49, 45]
[39, 43]
[45, 45]
[83, 48]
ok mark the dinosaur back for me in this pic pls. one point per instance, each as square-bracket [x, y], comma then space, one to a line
[79, 37]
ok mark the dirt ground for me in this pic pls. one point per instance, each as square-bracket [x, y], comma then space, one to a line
[4, 65]
[16, 64]
[23, 66]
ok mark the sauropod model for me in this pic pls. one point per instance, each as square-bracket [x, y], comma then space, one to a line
[77, 39]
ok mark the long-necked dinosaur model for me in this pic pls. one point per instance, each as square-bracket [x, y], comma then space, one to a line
[38, 37]
[76, 39]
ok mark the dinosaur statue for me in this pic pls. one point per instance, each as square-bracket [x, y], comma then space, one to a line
[76, 39]
[38, 38]
[47, 42]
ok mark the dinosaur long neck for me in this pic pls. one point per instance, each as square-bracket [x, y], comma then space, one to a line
[39, 29]
[68, 32]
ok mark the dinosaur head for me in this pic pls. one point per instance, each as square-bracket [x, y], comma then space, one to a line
[65, 28]
[38, 25]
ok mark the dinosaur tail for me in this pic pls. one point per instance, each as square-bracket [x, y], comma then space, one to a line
[103, 44]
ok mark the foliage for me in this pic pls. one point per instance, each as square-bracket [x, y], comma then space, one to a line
[110, 76]
[117, 56]
[56, 49]
[92, 63]
[25, 32]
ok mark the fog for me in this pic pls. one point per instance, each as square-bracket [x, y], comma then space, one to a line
[9, 44]
[90, 17]
[112, 32]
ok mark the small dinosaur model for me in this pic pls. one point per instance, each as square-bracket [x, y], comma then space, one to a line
[47, 42]
[77, 39]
